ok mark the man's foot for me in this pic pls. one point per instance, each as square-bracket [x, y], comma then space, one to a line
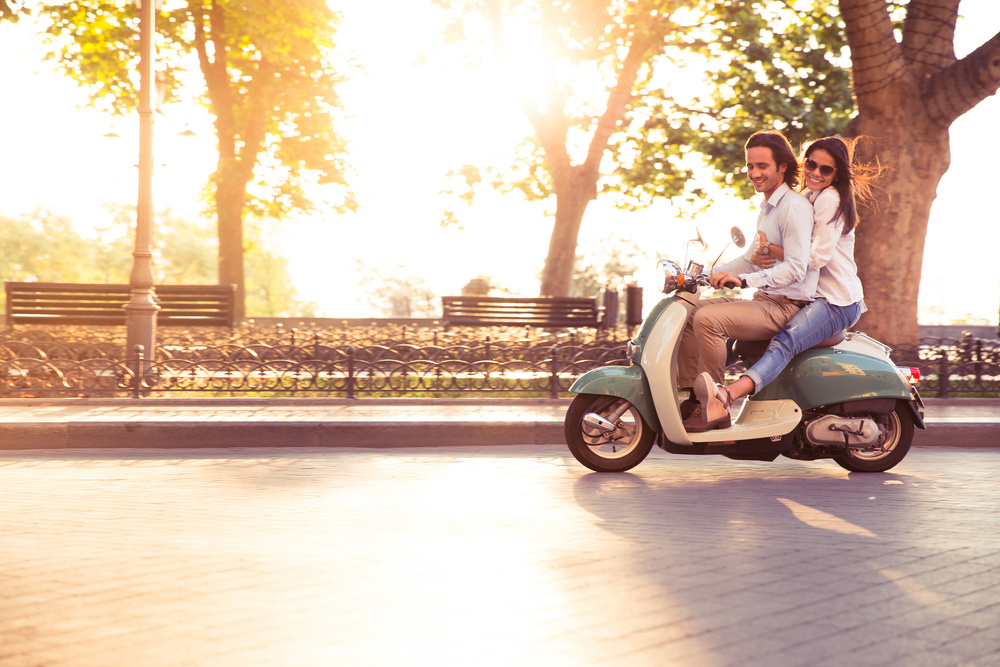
[688, 406]
[715, 402]
[693, 423]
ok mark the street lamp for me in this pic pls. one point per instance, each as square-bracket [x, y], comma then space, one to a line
[140, 311]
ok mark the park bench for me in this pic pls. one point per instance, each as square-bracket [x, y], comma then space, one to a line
[69, 303]
[498, 311]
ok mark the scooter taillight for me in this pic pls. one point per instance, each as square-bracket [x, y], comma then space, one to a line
[912, 375]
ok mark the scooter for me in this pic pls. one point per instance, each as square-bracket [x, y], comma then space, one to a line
[844, 399]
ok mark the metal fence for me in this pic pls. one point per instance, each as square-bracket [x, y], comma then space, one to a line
[962, 367]
[376, 362]
[343, 363]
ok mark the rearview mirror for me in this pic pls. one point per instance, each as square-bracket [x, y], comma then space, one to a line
[738, 240]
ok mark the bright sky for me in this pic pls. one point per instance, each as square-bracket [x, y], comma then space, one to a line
[412, 124]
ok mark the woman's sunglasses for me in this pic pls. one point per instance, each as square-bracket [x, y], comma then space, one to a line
[826, 170]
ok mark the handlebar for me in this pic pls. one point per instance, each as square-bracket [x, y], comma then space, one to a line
[671, 278]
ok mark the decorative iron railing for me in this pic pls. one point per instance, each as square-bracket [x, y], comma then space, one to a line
[375, 362]
[967, 366]
[510, 362]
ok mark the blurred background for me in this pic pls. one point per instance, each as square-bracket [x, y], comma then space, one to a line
[416, 115]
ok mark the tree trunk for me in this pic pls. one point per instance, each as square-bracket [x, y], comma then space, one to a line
[575, 185]
[229, 195]
[890, 245]
[231, 175]
[571, 204]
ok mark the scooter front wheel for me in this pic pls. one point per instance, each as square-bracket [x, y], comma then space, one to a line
[607, 433]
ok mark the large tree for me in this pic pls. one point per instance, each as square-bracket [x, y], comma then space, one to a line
[269, 81]
[909, 88]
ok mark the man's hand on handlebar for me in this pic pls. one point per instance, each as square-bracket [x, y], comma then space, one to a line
[721, 279]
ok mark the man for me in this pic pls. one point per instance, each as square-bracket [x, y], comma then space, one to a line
[786, 218]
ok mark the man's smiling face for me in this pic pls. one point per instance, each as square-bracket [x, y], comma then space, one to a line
[765, 175]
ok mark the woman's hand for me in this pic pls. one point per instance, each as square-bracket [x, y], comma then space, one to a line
[775, 252]
[763, 261]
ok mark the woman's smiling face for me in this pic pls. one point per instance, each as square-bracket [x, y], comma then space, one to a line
[820, 169]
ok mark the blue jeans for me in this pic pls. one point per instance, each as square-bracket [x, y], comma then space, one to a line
[814, 323]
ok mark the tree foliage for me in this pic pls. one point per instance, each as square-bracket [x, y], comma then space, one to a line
[618, 113]
[43, 247]
[10, 10]
[49, 248]
[766, 65]
[396, 291]
[268, 75]
[614, 265]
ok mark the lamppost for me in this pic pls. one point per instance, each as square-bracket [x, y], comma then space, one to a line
[140, 311]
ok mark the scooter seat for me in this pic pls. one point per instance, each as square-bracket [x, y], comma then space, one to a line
[756, 348]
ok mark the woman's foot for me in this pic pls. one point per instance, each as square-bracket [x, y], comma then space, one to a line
[714, 401]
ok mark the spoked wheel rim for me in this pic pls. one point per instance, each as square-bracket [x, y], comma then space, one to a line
[892, 436]
[898, 436]
[626, 437]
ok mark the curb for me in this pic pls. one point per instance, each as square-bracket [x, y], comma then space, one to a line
[198, 435]
[363, 434]
[951, 434]
[30, 424]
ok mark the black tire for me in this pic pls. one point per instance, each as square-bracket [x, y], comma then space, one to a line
[898, 438]
[618, 451]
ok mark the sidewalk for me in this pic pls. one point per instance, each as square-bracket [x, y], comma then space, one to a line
[254, 422]
[495, 556]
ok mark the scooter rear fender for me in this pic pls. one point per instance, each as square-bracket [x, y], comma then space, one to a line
[628, 382]
[828, 376]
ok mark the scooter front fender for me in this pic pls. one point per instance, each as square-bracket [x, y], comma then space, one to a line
[628, 382]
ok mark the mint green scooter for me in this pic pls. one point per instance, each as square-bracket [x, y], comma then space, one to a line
[844, 399]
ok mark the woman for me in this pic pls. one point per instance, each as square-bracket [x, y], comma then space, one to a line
[832, 187]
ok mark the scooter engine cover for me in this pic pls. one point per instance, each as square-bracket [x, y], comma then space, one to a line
[834, 431]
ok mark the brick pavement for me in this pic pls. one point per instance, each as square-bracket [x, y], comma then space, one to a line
[494, 556]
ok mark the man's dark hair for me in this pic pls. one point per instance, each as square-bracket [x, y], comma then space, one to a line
[781, 151]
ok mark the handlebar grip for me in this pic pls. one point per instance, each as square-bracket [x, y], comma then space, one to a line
[729, 284]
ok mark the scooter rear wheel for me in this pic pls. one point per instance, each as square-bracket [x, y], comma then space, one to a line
[898, 437]
[604, 450]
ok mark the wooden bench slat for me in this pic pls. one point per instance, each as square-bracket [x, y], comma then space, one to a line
[69, 312]
[85, 303]
[520, 311]
[102, 321]
[99, 288]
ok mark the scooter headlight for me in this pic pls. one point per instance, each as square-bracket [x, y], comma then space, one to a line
[668, 276]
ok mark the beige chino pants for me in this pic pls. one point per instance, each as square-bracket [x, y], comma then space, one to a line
[703, 344]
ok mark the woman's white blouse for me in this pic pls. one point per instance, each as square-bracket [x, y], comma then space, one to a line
[832, 252]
